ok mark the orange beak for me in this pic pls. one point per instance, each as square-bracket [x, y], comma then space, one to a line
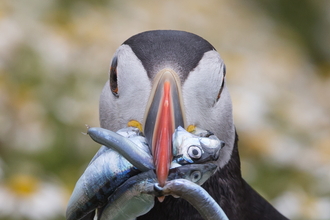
[164, 113]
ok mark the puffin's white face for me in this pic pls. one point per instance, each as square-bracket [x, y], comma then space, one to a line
[134, 88]
[206, 100]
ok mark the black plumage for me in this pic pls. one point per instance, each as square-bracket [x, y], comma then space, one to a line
[238, 200]
[183, 52]
[160, 49]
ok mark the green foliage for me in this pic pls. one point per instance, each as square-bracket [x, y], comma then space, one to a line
[307, 20]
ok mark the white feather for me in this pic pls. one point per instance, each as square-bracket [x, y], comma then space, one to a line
[200, 91]
[133, 89]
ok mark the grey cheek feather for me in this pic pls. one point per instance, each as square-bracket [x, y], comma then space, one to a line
[134, 88]
[225, 127]
[205, 112]
[106, 115]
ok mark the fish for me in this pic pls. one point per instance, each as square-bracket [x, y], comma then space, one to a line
[127, 142]
[123, 154]
[136, 196]
[199, 147]
[100, 179]
[198, 197]
[108, 169]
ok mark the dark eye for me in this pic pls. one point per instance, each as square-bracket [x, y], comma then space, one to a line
[224, 70]
[195, 176]
[194, 152]
[223, 82]
[113, 77]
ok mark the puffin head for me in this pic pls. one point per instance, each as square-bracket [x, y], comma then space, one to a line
[164, 79]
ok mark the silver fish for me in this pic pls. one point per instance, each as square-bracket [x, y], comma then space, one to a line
[196, 196]
[124, 155]
[136, 196]
[200, 147]
[127, 142]
[108, 169]
[100, 179]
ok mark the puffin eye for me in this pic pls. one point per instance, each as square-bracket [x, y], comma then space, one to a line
[195, 176]
[224, 70]
[194, 152]
[223, 82]
[113, 77]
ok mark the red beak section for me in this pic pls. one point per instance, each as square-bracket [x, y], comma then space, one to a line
[162, 138]
[164, 113]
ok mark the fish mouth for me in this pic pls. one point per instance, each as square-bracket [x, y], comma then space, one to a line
[164, 113]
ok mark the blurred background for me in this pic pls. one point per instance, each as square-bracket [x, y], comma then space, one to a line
[54, 61]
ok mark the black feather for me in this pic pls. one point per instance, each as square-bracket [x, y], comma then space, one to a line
[161, 49]
[238, 200]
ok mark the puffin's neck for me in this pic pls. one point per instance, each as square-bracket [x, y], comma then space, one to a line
[226, 185]
[235, 196]
[238, 200]
[221, 186]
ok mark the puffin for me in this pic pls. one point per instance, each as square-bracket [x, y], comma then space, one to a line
[162, 79]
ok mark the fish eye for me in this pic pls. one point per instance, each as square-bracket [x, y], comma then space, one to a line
[113, 77]
[196, 176]
[194, 152]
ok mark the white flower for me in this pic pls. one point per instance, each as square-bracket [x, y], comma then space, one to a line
[27, 197]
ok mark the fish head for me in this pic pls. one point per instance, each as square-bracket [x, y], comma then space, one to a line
[196, 173]
[211, 147]
[190, 148]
